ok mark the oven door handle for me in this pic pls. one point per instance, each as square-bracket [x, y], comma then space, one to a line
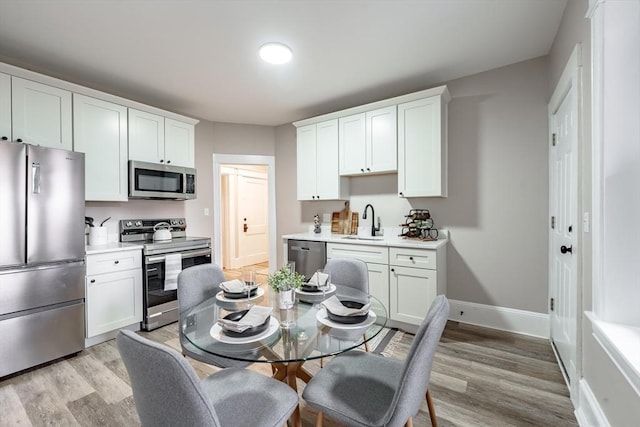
[190, 254]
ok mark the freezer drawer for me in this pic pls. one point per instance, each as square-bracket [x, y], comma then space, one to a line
[40, 337]
[27, 288]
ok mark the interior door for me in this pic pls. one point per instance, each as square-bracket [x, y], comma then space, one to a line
[564, 231]
[253, 195]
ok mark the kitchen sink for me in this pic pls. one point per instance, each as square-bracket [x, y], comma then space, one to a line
[363, 237]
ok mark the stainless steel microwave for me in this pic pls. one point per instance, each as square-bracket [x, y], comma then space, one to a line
[156, 181]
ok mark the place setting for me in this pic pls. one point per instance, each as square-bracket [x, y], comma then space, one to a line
[345, 316]
[245, 326]
[317, 288]
[236, 289]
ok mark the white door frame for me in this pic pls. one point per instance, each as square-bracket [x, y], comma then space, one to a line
[571, 79]
[218, 161]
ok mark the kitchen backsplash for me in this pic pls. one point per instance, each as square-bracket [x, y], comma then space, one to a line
[100, 211]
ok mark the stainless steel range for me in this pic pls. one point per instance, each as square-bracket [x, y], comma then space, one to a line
[162, 261]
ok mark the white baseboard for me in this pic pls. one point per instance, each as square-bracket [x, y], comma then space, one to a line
[505, 319]
[589, 413]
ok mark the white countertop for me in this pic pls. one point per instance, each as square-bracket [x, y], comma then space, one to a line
[390, 239]
[111, 247]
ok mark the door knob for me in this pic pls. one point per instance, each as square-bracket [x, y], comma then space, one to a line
[565, 249]
[245, 226]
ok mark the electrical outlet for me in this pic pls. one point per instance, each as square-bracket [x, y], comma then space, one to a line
[326, 217]
[206, 211]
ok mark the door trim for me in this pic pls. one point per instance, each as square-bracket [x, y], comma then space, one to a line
[269, 161]
[571, 78]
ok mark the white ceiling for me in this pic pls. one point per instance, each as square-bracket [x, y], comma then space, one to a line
[199, 57]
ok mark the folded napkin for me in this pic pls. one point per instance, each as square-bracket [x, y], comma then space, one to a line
[256, 316]
[334, 305]
[318, 278]
[234, 286]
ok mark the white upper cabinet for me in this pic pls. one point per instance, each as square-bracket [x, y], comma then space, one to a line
[368, 142]
[179, 143]
[100, 131]
[317, 163]
[382, 145]
[41, 114]
[156, 139]
[353, 144]
[146, 136]
[422, 147]
[406, 135]
[306, 162]
[5, 107]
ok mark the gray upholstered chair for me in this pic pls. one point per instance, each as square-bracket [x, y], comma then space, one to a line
[366, 390]
[196, 284]
[167, 391]
[349, 272]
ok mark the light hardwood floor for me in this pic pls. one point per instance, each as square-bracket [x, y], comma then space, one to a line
[480, 377]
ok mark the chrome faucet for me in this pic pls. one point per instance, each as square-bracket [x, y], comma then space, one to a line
[373, 215]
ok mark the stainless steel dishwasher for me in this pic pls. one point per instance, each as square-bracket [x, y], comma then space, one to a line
[308, 255]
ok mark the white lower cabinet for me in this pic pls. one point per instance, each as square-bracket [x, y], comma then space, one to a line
[416, 276]
[405, 280]
[113, 293]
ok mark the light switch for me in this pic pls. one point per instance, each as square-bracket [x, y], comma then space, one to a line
[206, 211]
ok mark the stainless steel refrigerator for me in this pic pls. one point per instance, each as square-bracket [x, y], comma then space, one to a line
[42, 264]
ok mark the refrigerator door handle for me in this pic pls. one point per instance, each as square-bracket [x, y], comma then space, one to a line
[35, 175]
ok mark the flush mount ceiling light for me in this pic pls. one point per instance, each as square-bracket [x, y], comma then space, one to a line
[275, 53]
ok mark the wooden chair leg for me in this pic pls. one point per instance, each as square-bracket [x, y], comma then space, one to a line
[409, 423]
[432, 409]
[321, 362]
[319, 419]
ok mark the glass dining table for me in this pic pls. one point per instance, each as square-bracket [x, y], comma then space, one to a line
[313, 335]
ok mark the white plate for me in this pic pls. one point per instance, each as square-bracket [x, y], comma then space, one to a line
[217, 334]
[220, 296]
[321, 316]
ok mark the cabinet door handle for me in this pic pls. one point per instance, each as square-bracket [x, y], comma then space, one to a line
[368, 170]
[93, 280]
[116, 262]
[410, 258]
[4, 138]
[19, 140]
[361, 170]
[401, 193]
[168, 161]
[393, 270]
[161, 160]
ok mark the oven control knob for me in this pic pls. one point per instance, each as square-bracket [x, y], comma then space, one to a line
[182, 222]
[174, 221]
[128, 224]
[138, 223]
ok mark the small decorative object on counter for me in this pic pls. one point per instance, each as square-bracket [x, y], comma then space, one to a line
[316, 224]
[419, 225]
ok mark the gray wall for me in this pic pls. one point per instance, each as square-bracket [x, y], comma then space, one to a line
[498, 188]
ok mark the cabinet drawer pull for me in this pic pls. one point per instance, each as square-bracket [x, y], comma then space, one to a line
[116, 262]
[410, 258]
[393, 270]
[93, 280]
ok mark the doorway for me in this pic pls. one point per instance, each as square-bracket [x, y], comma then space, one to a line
[244, 205]
[565, 296]
[252, 175]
